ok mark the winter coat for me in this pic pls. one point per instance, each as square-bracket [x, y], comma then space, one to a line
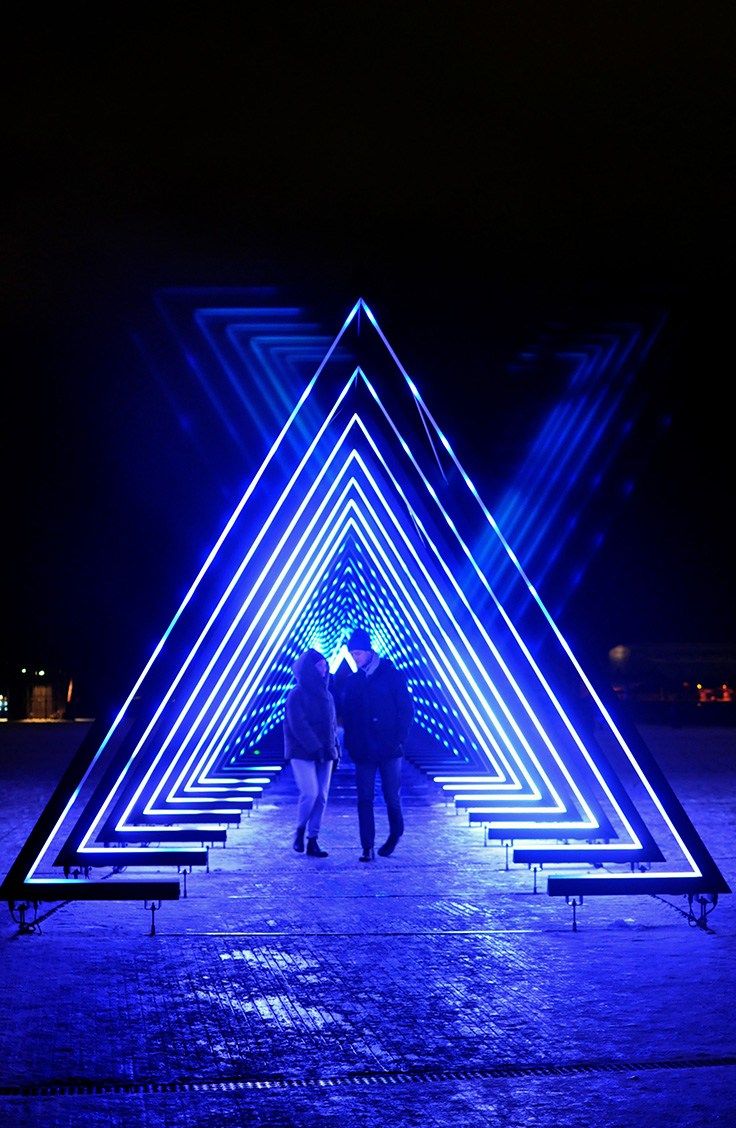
[377, 713]
[310, 725]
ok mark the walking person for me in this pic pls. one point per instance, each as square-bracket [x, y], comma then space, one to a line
[311, 746]
[376, 712]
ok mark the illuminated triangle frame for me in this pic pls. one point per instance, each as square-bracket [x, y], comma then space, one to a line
[520, 778]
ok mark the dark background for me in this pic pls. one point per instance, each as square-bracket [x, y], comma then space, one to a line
[477, 172]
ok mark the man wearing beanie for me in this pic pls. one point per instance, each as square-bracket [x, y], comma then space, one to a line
[377, 713]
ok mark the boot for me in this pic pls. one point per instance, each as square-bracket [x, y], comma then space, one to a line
[367, 855]
[299, 840]
[389, 846]
[313, 850]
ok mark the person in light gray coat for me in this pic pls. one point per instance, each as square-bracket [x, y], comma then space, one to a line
[311, 746]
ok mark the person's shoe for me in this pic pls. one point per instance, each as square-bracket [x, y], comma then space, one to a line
[388, 847]
[313, 849]
[367, 855]
[299, 840]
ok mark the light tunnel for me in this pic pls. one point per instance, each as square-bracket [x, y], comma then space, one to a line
[361, 514]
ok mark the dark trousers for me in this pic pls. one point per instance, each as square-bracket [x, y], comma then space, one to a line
[365, 780]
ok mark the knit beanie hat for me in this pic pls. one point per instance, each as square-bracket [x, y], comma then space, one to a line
[359, 640]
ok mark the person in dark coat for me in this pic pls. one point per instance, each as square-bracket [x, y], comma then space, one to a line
[376, 713]
[311, 746]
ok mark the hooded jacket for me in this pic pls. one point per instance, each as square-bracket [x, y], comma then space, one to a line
[310, 725]
[377, 713]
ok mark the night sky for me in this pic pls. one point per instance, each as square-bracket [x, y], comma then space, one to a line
[479, 173]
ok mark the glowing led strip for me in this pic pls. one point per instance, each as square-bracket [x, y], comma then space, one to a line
[187, 598]
[535, 595]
